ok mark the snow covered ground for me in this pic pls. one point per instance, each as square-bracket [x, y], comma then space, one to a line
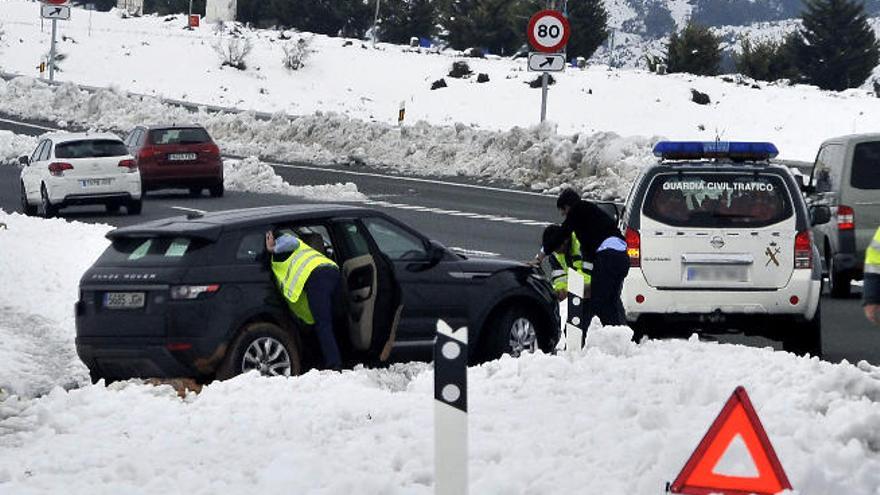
[617, 418]
[348, 99]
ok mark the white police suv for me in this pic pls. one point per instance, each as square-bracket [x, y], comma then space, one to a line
[719, 242]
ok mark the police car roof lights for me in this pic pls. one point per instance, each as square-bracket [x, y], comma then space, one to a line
[715, 150]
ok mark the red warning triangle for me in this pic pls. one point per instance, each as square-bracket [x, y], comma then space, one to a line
[737, 418]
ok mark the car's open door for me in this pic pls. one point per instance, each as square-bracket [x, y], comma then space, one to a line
[372, 293]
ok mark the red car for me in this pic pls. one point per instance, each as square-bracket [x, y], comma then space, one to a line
[177, 157]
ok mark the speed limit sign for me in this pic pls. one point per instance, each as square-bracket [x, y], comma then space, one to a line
[549, 31]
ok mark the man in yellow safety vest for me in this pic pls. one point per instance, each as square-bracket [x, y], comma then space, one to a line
[309, 282]
[567, 256]
[872, 280]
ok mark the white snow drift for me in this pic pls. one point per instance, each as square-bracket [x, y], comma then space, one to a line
[252, 175]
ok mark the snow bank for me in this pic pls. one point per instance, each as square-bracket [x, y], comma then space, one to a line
[600, 422]
[42, 262]
[13, 146]
[252, 175]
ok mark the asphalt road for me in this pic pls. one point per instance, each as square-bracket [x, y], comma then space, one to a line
[458, 213]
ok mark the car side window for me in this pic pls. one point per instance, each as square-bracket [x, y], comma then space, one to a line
[35, 156]
[251, 247]
[315, 236]
[355, 242]
[139, 138]
[395, 242]
[47, 151]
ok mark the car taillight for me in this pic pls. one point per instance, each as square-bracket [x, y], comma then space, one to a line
[803, 250]
[131, 165]
[147, 153]
[846, 218]
[634, 247]
[57, 168]
[192, 291]
[211, 149]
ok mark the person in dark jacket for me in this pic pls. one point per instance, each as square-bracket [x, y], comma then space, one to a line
[601, 244]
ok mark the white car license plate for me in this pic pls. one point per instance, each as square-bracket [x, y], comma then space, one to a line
[85, 183]
[124, 300]
[717, 273]
[181, 157]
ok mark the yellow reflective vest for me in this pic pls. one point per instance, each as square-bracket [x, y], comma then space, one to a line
[559, 269]
[292, 274]
[872, 271]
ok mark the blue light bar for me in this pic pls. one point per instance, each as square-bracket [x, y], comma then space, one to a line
[696, 150]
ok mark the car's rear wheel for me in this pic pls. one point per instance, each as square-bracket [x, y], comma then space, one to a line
[804, 338]
[839, 282]
[49, 210]
[135, 206]
[216, 190]
[195, 191]
[27, 208]
[513, 331]
[112, 208]
[262, 347]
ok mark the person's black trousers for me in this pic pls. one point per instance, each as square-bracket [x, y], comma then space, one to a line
[609, 271]
[321, 288]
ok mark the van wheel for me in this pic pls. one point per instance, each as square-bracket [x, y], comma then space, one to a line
[514, 331]
[839, 283]
[804, 338]
[27, 208]
[263, 347]
[49, 210]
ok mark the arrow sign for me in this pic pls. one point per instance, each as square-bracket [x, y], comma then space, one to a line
[547, 62]
[57, 12]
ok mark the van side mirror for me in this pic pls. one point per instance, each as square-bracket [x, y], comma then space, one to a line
[24, 160]
[820, 215]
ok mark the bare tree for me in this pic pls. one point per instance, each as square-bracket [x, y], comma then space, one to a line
[296, 53]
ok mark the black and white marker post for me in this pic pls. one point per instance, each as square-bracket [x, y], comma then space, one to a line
[574, 324]
[450, 411]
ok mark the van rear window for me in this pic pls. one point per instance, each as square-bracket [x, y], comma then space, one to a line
[712, 200]
[90, 148]
[189, 135]
[149, 251]
[866, 166]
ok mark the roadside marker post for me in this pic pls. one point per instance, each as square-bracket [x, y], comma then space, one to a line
[574, 324]
[737, 421]
[401, 114]
[450, 411]
[548, 33]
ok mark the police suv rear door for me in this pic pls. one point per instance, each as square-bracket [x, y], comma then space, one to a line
[718, 229]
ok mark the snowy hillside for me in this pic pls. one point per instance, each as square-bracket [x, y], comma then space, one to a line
[604, 121]
[533, 421]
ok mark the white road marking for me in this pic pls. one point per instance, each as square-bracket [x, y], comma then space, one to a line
[456, 213]
[32, 126]
[189, 210]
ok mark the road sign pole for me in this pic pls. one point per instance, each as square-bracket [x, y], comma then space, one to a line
[52, 51]
[544, 83]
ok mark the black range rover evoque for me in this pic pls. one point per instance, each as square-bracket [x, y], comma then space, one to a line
[194, 297]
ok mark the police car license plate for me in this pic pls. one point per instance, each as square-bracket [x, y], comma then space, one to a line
[95, 182]
[181, 157]
[124, 300]
[717, 273]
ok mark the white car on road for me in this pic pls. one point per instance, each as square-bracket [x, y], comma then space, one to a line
[719, 241]
[79, 169]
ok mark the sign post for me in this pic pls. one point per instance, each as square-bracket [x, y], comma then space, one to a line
[54, 10]
[548, 33]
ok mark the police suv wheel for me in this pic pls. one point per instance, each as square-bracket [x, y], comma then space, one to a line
[262, 347]
[804, 338]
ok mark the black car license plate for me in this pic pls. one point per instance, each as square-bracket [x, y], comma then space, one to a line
[124, 300]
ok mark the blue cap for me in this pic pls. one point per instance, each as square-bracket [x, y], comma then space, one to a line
[698, 150]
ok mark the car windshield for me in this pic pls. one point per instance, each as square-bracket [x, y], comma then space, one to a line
[701, 199]
[149, 251]
[866, 166]
[90, 148]
[189, 135]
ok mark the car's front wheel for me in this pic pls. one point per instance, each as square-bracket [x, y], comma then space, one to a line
[27, 208]
[262, 347]
[513, 331]
[804, 338]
